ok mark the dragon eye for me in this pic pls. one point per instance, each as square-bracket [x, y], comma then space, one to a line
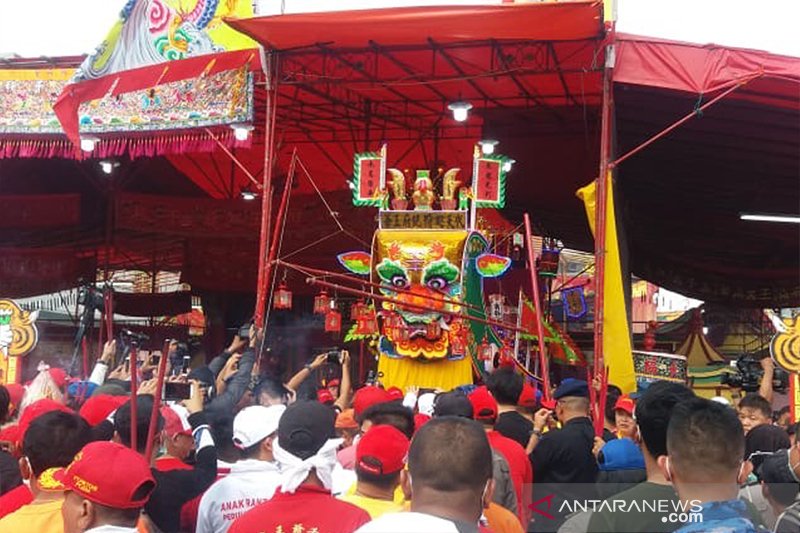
[437, 283]
[399, 281]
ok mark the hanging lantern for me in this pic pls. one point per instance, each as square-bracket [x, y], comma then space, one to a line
[357, 310]
[401, 333]
[496, 306]
[333, 321]
[548, 261]
[507, 356]
[367, 324]
[457, 345]
[282, 298]
[322, 303]
[485, 350]
[433, 330]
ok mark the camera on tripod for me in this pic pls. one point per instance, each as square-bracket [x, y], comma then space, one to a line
[91, 298]
[749, 373]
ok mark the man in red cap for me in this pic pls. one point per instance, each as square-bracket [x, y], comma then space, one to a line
[485, 411]
[177, 439]
[380, 456]
[368, 396]
[106, 485]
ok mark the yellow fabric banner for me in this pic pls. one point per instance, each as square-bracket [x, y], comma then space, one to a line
[404, 372]
[617, 349]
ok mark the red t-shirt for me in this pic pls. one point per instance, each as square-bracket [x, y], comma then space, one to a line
[14, 499]
[308, 509]
[520, 467]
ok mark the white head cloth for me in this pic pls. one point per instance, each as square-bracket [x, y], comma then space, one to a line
[294, 470]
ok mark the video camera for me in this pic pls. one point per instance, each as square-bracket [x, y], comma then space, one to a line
[91, 298]
[749, 373]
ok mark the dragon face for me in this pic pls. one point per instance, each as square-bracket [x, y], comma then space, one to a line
[423, 274]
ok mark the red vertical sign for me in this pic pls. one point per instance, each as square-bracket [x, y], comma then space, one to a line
[488, 176]
[369, 178]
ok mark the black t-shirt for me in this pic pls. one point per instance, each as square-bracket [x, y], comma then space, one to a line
[513, 425]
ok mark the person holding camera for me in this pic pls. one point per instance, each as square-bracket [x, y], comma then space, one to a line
[333, 357]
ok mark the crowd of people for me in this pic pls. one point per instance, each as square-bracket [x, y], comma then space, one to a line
[246, 452]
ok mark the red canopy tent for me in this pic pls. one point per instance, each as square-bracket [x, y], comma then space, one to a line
[534, 75]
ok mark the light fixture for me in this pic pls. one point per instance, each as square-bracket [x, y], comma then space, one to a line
[507, 164]
[248, 194]
[487, 146]
[460, 110]
[241, 131]
[88, 143]
[764, 217]
[351, 184]
[108, 166]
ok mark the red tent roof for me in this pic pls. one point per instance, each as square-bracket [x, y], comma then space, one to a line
[547, 21]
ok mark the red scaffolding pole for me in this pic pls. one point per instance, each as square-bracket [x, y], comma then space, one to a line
[270, 70]
[601, 199]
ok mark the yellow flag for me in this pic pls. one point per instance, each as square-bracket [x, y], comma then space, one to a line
[617, 353]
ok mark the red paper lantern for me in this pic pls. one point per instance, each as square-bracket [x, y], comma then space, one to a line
[366, 323]
[357, 310]
[322, 303]
[433, 330]
[485, 350]
[282, 298]
[457, 345]
[401, 333]
[333, 321]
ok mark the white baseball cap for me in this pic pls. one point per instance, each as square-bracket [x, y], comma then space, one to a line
[255, 423]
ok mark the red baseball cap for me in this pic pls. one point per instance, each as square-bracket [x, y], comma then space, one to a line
[484, 406]
[325, 396]
[59, 376]
[109, 474]
[368, 396]
[625, 403]
[333, 383]
[37, 409]
[97, 408]
[395, 393]
[173, 423]
[549, 404]
[382, 450]
[15, 394]
[527, 398]
[420, 420]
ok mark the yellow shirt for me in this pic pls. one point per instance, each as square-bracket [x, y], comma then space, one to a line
[372, 506]
[39, 517]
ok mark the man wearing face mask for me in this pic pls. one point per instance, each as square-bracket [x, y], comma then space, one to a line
[49, 443]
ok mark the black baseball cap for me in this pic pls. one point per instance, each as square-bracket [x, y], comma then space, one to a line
[305, 427]
[453, 403]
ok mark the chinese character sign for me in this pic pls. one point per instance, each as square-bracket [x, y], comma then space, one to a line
[368, 178]
[489, 180]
